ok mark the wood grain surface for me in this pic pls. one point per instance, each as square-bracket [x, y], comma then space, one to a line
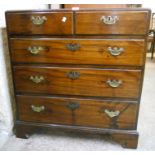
[129, 22]
[91, 82]
[90, 51]
[21, 23]
[89, 113]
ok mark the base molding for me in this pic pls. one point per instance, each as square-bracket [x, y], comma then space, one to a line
[127, 138]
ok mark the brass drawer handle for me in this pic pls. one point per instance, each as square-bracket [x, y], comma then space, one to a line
[36, 79]
[115, 51]
[38, 20]
[36, 49]
[73, 75]
[73, 47]
[111, 113]
[109, 20]
[37, 108]
[114, 83]
[73, 105]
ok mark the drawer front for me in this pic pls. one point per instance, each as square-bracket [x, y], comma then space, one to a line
[78, 51]
[117, 115]
[82, 112]
[112, 22]
[43, 109]
[77, 81]
[40, 23]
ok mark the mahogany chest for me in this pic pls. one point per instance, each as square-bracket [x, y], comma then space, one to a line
[78, 70]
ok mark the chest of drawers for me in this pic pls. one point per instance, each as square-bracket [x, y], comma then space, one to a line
[78, 70]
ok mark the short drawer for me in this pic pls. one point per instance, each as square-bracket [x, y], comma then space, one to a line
[78, 51]
[43, 109]
[74, 111]
[27, 23]
[112, 22]
[78, 81]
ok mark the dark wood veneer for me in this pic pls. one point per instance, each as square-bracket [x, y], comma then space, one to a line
[53, 25]
[91, 51]
[78, 104]
[89, 113]
[56, 81]
[132, 22]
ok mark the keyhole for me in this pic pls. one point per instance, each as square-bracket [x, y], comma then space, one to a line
[109, 18]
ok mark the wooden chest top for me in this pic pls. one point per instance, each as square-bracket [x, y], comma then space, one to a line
[68, 22]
